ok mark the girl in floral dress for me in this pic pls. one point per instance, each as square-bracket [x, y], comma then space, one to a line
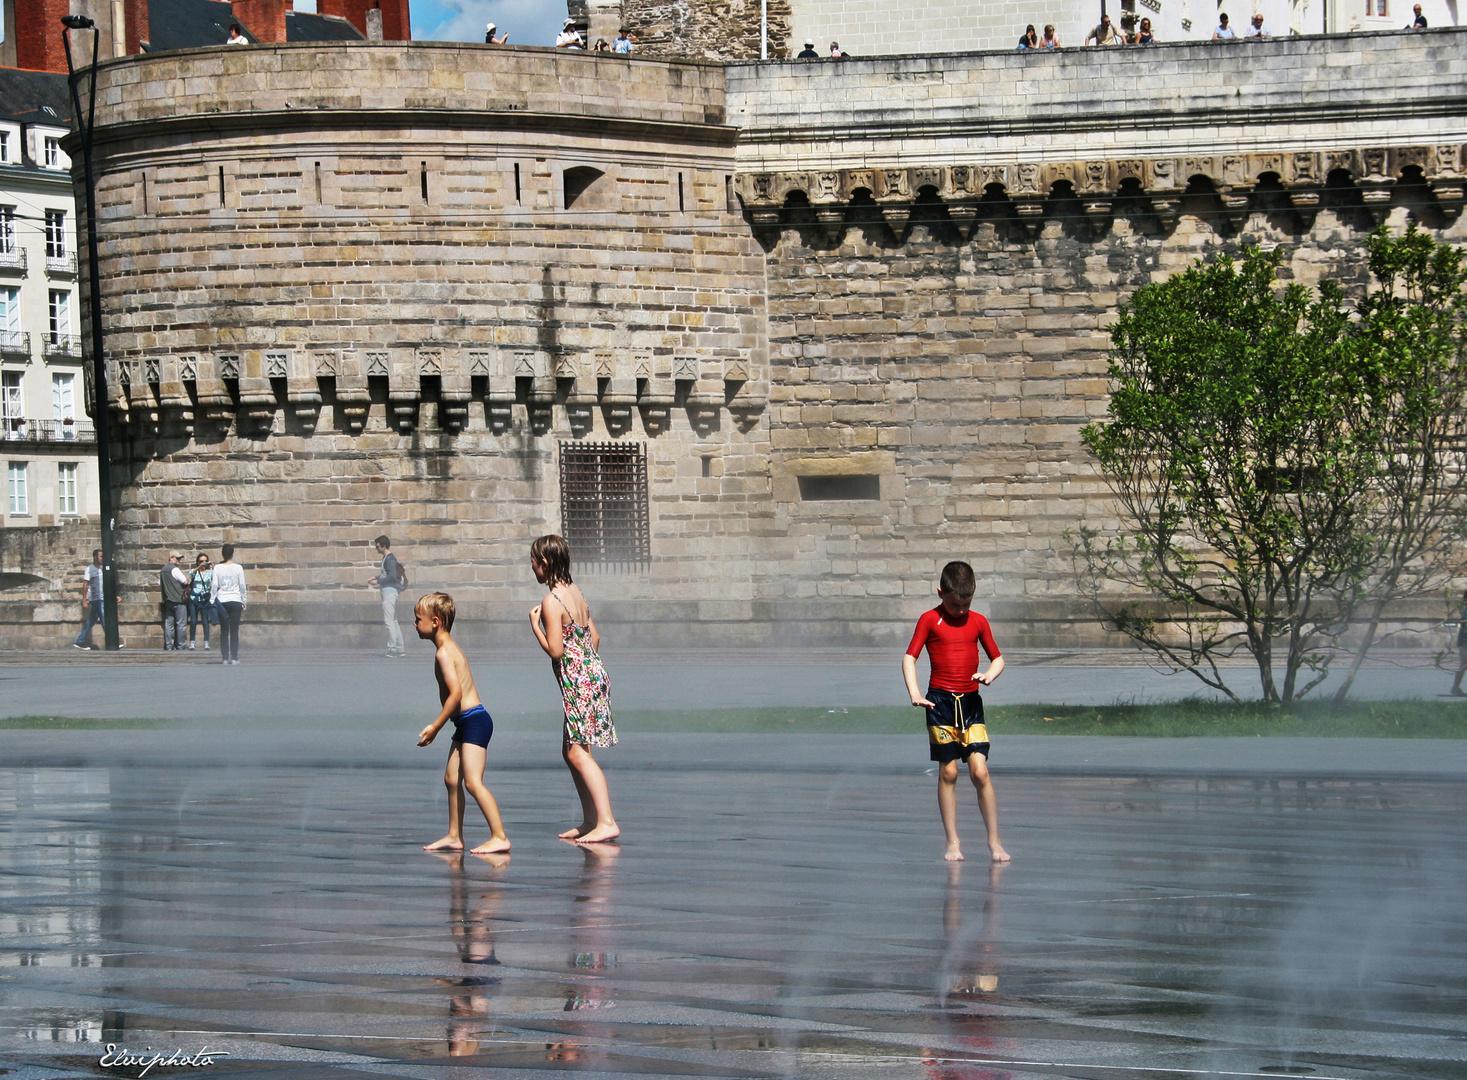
[563, 626]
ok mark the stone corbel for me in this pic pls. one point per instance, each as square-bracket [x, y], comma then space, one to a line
[963, 212]
[1166, 211]
[1449, 191]
[353, 400]
[302, 391]
[654, 390]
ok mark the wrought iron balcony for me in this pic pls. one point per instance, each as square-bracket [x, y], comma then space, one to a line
[25, 429]
[62, 345]
[12, 258]
[15, 343]
[61, 263]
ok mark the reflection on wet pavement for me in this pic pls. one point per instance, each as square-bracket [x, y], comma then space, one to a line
[751, 925]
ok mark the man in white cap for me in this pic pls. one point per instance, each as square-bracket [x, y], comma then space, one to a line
[808, 52]
[570, 37]
[490, 39]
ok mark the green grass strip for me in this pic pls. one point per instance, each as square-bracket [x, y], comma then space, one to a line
[1178, 719]
[75, 723]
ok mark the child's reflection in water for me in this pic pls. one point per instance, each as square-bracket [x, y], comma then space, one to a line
[969, 971]
[591, 943]
[471, 907]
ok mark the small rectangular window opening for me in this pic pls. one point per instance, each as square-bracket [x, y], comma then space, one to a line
[516, 181]
[221, 185]
[603, 503]
[728, 194]
[318, 181]
[840, 488]
[707, 465]
[423, 179]
[680, 204]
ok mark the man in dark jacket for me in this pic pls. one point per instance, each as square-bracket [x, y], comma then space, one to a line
[174, 584]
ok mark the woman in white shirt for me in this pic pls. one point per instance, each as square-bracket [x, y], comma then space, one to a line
[228, 590]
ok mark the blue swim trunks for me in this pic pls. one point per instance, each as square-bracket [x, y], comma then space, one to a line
[474, 726]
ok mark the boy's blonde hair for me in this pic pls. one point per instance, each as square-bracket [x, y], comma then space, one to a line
[436, 605]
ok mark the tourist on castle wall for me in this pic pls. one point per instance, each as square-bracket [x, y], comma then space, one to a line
[228, 591]
[836, 53]
[1050, 40]
[570, 37]
[1256, 30]
[91, 601]
[174, 584]
[1105, 33]
[1030, 40]
[808, 52]
[200, 608]
[602, 45]
[490, 39]
[1144, 36]
[236, 35]
[623, 43]
[1418, 23]
[1224, 32]
[390, 582]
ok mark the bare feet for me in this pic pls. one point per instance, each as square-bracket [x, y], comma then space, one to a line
[448, 843]
[579, 831]
[600, 833]
[491, 847]
[999, 854]
[954, 853]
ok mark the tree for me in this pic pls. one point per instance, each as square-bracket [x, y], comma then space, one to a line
[1280, 461]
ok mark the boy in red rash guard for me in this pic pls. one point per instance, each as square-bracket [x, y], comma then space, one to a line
[955, 731]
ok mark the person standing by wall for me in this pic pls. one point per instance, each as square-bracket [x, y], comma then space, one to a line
[390, 581]
[200, 608]
[174, 583]
[228, 591]
[91, 601]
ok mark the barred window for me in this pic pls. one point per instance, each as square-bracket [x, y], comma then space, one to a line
[603, 502]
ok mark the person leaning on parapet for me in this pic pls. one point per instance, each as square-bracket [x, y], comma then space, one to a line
[1144, 35]
[1105, 33]
[236, 35]
[1418, 23]
[490, 39]
[1256, 30]
[1050, 40]
[837, 53]
[174, 583]
[91, 601]
[623, 43]
[808, 52]
[570, 37]
[1224, 32]
[1030, 40]
[390, 581]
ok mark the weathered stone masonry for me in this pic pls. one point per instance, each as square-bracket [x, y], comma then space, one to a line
[856, 314]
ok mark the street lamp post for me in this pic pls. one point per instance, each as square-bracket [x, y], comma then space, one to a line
[99, 363]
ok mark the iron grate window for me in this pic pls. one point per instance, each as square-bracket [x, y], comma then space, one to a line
[603, 502]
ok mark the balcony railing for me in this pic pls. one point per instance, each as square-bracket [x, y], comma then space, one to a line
[12, 259]
[62, 345]
[15, 343]
[62, 263]
[24, 429]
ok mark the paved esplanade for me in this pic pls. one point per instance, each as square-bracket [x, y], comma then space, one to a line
[779, 907]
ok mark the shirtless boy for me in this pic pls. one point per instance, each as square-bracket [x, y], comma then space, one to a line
[951, 634]
[473, 728]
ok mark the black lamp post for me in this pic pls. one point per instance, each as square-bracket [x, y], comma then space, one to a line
[99, 363]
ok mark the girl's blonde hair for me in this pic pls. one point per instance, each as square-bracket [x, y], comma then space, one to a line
[436, 605]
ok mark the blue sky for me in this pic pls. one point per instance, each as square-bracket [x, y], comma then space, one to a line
[528, 22]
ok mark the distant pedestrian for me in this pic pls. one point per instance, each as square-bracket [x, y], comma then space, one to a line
[1030, 40]
[951, 634]
[808, 52]
[1105, 33]
[490, 39]
[391, 579]
[1256, 30]
[1461, 655]
[1224, 32]
[1050, 40]
[174, 583]
[623, 43]
[236, 35]
[1144, 36]
[836, 53]
[1418, 23]
[570, 37]
[563, 626]
[602, 45]
[228, 591]
[91, 601]
[200, 608]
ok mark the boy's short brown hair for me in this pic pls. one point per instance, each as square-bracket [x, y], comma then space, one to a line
[436, 605]
[957, 580]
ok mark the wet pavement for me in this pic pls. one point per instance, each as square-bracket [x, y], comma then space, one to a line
[778, 908]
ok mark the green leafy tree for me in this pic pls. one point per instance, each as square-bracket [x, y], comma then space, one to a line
[1279, 460]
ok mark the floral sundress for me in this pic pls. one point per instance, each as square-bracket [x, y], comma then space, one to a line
[584, 687]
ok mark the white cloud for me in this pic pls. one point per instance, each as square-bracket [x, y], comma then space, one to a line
[528, 22]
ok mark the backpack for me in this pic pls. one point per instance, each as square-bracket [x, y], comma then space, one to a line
[402, 578]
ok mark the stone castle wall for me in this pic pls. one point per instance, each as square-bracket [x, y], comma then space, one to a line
[856, 315]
